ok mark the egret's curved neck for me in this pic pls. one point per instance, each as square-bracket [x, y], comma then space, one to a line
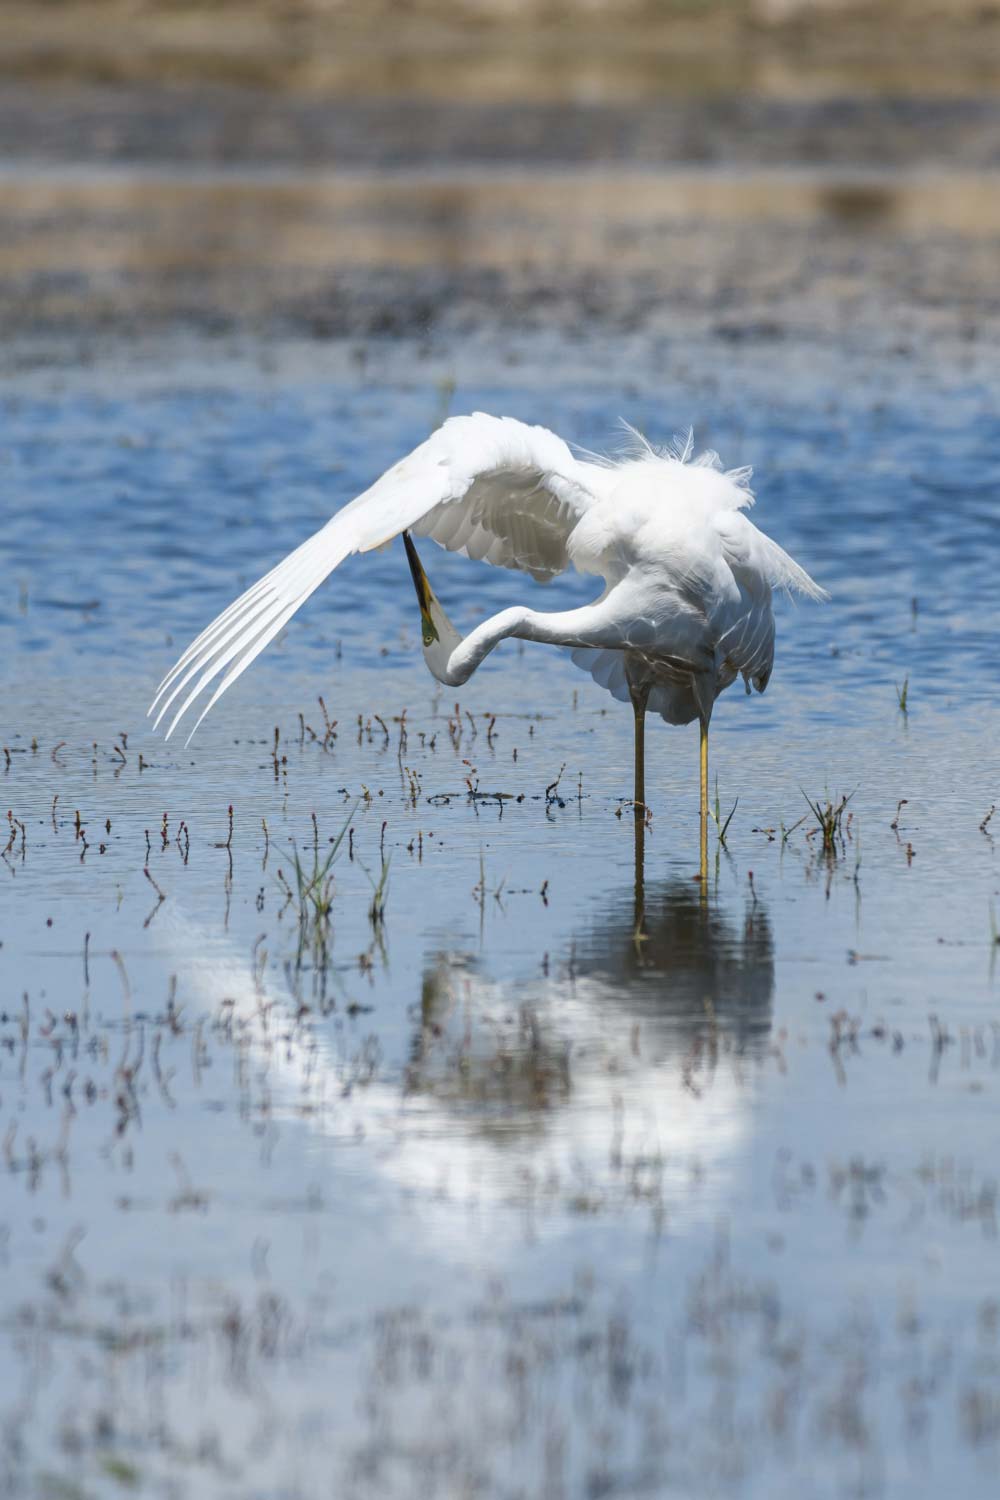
[467, 654]
[453, 660]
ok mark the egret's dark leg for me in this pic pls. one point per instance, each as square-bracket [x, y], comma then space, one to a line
[639, 909]
[703, 814]
[639, 697]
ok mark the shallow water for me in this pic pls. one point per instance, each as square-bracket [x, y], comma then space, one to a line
[488, 1196]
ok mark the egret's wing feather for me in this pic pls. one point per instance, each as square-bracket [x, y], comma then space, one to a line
[490, 487]
[746, 644]
[737, 625]
[606, 666]
[757, 561]
[747, 647]
[512, 519]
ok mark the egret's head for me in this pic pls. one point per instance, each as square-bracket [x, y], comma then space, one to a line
[437, 632]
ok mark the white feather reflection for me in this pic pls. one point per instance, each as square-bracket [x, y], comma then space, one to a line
[621, 1077]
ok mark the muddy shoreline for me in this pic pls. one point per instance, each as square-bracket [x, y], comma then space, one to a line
[757, 185]
[199, 124]
[769, 260]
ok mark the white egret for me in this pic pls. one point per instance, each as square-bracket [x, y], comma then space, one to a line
[688, 579]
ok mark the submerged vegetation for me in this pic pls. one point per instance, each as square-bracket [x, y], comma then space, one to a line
[829, 815]
[715, 810]
[313, 892]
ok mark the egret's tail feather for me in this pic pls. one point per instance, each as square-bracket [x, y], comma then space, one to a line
[785, 573]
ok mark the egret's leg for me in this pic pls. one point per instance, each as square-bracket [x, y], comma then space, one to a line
[703, 813]
[639, 697]
[639, 908]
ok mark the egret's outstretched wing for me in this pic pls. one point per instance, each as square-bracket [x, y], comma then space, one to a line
[490, 487]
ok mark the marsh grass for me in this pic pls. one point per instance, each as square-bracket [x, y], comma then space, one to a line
[786, 833]
[380, 892]
[313, 894]
[481, 889]
[716, 812]
[313, 887]
[830, 817]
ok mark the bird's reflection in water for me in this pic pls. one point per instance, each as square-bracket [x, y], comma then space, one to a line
[660, 1000]
[617, 1071]
[682, 959]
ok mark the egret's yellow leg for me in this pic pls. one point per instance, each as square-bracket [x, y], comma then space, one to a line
[703, 816]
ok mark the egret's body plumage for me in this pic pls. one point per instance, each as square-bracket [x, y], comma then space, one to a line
[688, 579]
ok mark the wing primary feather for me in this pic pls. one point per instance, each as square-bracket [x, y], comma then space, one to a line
[217, 649]
[203, 639]
[254, 645]
[256, 632]
[255, 648]
[289, 584]
[229, 616]
[237, 606]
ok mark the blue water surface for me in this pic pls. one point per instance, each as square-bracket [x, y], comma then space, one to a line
[544, 1182]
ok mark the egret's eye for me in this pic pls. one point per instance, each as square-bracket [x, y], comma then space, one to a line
[429, 633]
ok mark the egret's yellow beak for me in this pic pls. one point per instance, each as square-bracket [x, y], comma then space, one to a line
[425, 594]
